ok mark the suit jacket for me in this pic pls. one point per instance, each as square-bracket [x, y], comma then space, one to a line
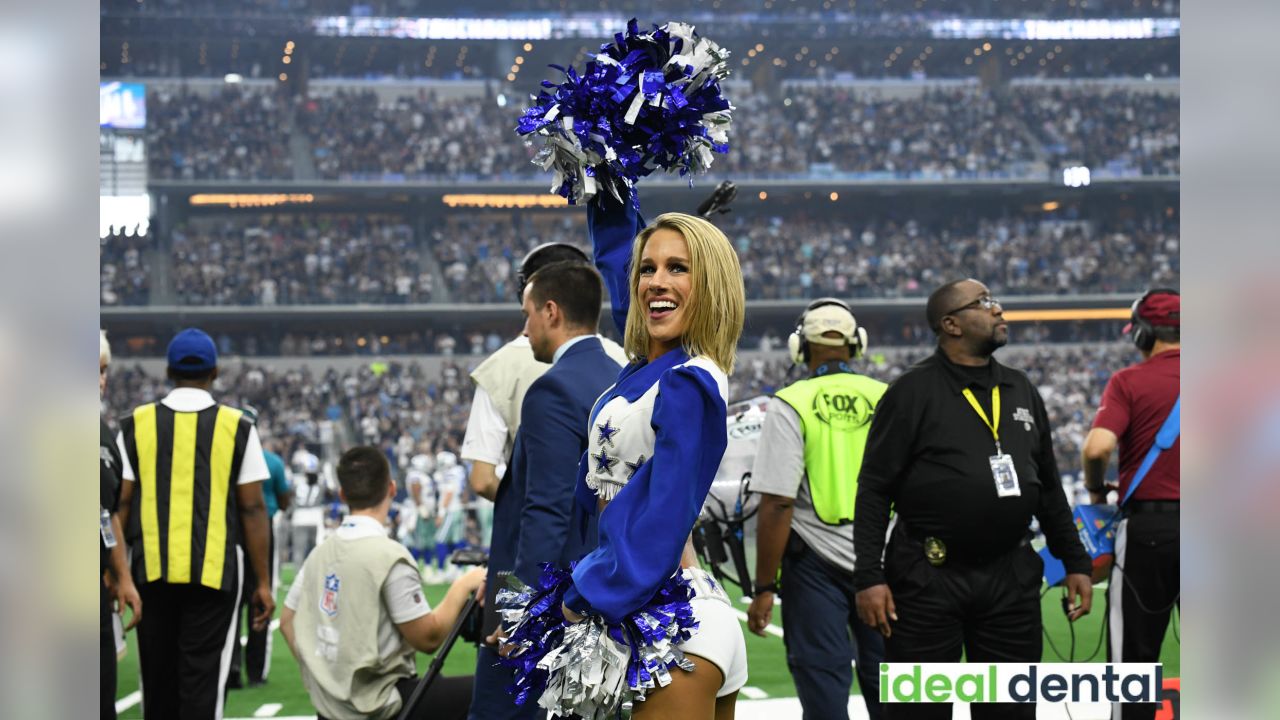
[535, 517]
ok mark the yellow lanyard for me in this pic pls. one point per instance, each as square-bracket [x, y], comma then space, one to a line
[995, 410]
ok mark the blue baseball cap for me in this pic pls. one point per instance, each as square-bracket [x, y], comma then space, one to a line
[192, 350]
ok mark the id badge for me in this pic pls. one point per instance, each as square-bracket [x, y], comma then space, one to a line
[1005, 475]
[104, 527]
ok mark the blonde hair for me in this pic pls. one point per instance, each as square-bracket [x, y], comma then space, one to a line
[104, 348]
[718, 305]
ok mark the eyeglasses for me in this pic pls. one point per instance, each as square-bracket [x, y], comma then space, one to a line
[986, 302]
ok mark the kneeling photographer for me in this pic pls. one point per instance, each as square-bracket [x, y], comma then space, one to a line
[355, 616]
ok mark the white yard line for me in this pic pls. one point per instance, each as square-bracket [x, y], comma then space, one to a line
[268, 710]
[128, 701]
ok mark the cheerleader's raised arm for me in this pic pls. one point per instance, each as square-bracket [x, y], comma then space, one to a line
[613, 228]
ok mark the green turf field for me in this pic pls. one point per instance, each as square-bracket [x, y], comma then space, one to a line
[767, 655]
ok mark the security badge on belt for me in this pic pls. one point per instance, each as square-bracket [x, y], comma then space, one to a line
[935, 551]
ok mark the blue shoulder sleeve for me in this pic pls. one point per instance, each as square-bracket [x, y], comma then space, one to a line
[612, 228]
[644, 529]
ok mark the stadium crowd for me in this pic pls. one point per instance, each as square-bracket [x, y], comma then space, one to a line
[318, 343]
[125, 269]
[326, 259]
[798, 257]
[1129, 131]
[300, 259]
[353, 136]
[945, 133]
[237, 133]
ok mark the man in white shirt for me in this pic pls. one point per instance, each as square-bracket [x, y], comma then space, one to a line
[355, 615]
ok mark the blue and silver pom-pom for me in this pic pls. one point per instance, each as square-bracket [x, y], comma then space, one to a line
[591, 669]
[646, 101]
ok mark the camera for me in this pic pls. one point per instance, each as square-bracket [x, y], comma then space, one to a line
[471, 626]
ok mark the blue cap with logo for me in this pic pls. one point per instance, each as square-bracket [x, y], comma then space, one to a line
[192, 350]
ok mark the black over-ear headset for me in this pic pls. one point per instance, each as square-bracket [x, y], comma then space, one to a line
[798, 346]
[1141, 332]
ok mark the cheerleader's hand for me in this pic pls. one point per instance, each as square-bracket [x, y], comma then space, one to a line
[570, 615]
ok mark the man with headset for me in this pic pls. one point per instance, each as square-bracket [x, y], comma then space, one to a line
[811, 449]
[1135, 407]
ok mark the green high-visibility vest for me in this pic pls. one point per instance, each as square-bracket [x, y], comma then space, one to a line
[835, 416]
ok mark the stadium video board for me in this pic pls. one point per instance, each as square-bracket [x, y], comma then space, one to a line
[122, 105]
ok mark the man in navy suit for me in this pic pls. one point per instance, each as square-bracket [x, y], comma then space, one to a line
[535, 518]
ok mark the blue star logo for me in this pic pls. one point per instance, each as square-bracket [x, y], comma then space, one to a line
[604, 462]
[633, 467]
[607, 431]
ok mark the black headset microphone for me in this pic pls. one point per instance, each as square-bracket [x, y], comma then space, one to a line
[1141, 332]
[798, 345]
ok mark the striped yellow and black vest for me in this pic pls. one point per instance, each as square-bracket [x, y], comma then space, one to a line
[186, 464]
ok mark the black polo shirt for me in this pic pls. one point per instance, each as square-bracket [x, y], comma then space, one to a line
[928, 456]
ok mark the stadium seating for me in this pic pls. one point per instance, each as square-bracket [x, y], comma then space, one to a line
[298, 260]
[327, 259]
[1133, 133]
[925, 132]
[124, 268]
[234, 134]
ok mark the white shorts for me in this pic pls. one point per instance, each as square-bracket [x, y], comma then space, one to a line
[719, 636]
